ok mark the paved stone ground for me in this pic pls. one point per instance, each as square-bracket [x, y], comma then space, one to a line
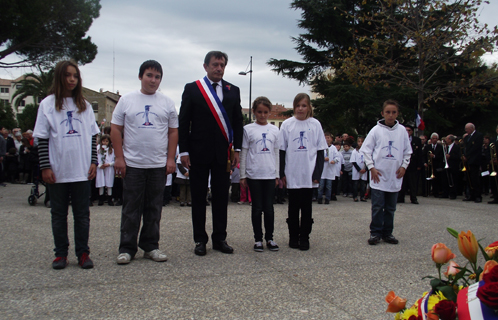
[340, 277]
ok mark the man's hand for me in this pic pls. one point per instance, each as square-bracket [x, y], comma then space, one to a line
[375, 175]
[48, 176]
[185, 161]
[170, 166]
[92, 172]
[235, 159]
[120, 167]
[400, 172]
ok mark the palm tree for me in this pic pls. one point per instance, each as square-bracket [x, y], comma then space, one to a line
[35, 85]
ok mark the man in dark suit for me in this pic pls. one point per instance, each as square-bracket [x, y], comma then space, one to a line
[436, 155]
[472, 157]
[204, 140]
[410, 180]
[450, 177]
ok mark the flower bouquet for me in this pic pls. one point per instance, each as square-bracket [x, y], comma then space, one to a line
[468, 293]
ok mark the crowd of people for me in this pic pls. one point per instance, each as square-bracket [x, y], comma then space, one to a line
[150, 154]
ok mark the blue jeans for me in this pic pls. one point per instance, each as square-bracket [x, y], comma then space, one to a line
[59, 201]
[262, 193]
[142, 200]
[362, 184]
[383, 208]
[327, 184]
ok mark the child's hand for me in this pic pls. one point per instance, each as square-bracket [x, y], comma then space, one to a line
[92, 172]
[186, 174]
[243, 183]
[375, 175]
[276, 182]
[363, 171]
[48, 176]
[333, 162]
[326, 158]
[400, 172]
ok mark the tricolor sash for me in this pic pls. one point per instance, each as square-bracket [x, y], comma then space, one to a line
[470, 307]
[218, 111]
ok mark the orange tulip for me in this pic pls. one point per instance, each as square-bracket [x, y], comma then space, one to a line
[452, 269]
[492, 249]
[490, 264]
[468, 245]
[441, 254]
[396, 304]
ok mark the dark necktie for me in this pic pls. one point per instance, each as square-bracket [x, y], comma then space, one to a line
[214, 86]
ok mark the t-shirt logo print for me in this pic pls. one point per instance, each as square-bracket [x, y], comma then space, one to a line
[69, 122]
[301, 140]
[146, 116]
[263, 141]
[389, 149]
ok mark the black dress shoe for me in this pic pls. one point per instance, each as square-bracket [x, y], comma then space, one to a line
[414, 201]
[200, 249]
[493, 202]
[222, 246]
[452, 198]
[468, 199]
[478, 200]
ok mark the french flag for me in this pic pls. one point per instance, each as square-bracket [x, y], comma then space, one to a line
[419, 123]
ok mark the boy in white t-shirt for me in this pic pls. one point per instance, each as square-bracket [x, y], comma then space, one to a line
[144, 131]
[328, 173]
[386, 151]
[359, 172]
[337, 171]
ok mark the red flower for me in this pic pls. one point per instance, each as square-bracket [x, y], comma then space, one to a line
[446, 309]
[492, 274]
[488, 294]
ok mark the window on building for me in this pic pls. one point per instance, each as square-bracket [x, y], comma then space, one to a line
[18, 86]
[95, 106]
[23, 103]
[273, 122]
[39, 100]
[5, 101]
[4, 90]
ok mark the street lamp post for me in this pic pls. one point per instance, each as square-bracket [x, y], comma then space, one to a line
[243, 73]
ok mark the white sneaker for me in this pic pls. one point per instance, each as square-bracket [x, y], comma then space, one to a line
[123, 258]
[156, 255]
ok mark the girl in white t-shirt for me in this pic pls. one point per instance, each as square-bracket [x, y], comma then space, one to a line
[105, 169]
[66, 132]
[259, 160]
[302, 146]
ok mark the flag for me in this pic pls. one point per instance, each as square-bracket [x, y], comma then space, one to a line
[419, 123]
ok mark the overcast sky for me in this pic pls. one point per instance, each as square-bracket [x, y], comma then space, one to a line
[178, 34]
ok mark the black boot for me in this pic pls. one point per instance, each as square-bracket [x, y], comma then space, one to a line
[109, 201]
[101, 200]
[293, 234]
[304, 234]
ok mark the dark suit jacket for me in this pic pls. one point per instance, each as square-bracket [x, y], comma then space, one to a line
[455, 157]
[473, 148]
[416, 160]
[438, 161]
[199, 133]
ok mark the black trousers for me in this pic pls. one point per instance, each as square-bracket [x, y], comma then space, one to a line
[475, 180]
[220, 185]
[410, 181]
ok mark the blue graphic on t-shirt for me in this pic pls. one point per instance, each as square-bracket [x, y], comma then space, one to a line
[389, 149]
[69, 122]
[263, 141]
[301, 140]
[146, 115]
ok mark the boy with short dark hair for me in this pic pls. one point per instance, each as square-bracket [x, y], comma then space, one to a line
[328, 173]
[347, 169]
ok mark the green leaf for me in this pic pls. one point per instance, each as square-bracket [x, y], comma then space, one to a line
[453, 232]
[448, 292]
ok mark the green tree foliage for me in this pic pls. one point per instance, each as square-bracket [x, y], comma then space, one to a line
[43, 31]
[34, 85]
[421, 45]
[7, 118]
[27, 118]
[358, 53]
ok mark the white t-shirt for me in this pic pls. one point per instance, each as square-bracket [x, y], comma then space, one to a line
[358, 158]
[301, 140]
[261, 143]
[69, 135]
[387, 149]
[339, 164]
[329, 168]
[146, 120]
